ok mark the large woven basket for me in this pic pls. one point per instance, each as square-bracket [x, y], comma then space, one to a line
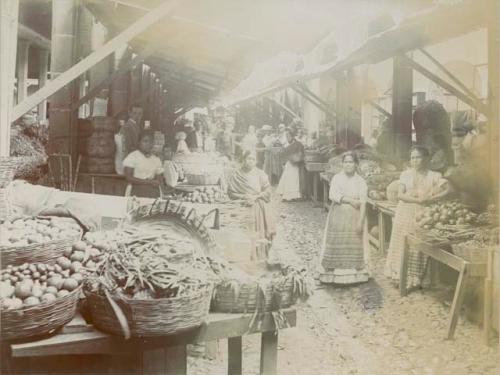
[46, 252]
[250, 296]
[156, 214]
[8, 166]
[40, 319]
[152, 317]
[313, 156]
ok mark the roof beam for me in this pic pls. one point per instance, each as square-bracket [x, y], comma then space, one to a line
[379, 108]
[477, 105]
[113, 45]
[317, 104]
[34, 38]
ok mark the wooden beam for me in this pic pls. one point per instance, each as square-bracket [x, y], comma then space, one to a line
[314, 96]
[22, 70]
[283, 106]
[304, 94]
[34, 38]
[43, 64]
[110, 79]
[494, 93]
[9, 11]
[450, 75]
[477, 105]
[379, 108]
[118, 41]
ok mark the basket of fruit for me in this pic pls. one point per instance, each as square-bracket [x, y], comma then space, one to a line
[205, 194]
[36, 239]
[36, 299]
[135, 293]
[313, 156]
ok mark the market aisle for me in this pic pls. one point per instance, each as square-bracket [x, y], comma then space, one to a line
[365, 329]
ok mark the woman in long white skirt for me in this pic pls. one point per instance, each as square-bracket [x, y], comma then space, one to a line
[291, 182]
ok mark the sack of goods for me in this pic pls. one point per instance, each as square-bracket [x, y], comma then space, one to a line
[97, 145]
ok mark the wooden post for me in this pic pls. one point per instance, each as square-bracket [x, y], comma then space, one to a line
[234, 358]
[9, 11]
[43, 64]
[269, 353]
[494, 90]
[119, 87]
[100, 71]
[402, 99]
[22, 69]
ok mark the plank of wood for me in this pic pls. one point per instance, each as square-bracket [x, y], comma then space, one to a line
[458, 299]
[176, 357]
[114, 44]
[234, 352]
[218, 326]
[77, 325]
[269, 353]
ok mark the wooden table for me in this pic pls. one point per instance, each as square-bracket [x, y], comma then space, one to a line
[314, 170]
[159, 355]
[385, 212]
[437, 252]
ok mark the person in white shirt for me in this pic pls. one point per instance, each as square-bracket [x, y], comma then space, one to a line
[144, 170]
[172, 172]
[282, 138]
[268, 139]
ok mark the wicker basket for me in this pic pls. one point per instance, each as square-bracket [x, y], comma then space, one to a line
[46, 252]
[251, 296]
[5, 205]
[153, 317]
[40, 319]
[161, 211]
[8, 166]
[202, 179]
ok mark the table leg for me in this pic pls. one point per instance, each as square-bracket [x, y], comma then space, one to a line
[315, 188]
[176, 357]
[488, 290]
[403, 272]
[269, 353]
[234, 362]
[457, 300]
[381, 233]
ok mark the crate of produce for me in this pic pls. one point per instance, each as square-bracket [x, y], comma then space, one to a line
[36, 239]
[36, 299]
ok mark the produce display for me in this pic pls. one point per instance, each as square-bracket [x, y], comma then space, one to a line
[450, 220]
[35, 283]
[475, 249]
[377, 184]
[205, 194]
[82, 257]
[33, 230]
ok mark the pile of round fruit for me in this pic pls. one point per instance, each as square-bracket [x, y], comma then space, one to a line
[444, 214]
[30, 230]
[206, 194]
[82, 257]
[33, 283]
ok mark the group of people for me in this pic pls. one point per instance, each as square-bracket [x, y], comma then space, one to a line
[345, 256]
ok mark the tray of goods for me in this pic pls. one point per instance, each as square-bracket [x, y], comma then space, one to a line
[37, 298]
[136, 293]
[36, 239]
[476, 249]
[205, 194]
[451, 221]
[238, 292]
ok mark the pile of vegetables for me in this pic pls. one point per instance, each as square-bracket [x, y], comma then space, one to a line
[33, 283]
[377, 184]
[205, 194]
[444, 214]
[29, 230]
[82, 257]
[133, 269]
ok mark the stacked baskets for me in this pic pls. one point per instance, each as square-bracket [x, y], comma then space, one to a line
[97, 145]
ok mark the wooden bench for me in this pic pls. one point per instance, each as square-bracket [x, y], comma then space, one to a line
[438, 252]
[158, 355]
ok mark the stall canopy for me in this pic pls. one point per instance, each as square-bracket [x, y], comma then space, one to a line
[430, 26]
[209, 46]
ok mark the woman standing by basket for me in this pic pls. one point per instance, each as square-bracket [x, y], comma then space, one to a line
[252, 185]
[418, 186]
[344, 259]
[291, 183]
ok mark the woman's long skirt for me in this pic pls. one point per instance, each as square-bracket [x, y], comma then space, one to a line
[289, 185]
[403, 224]
[345, 258]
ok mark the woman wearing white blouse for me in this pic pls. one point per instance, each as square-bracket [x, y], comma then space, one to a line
[344, 259]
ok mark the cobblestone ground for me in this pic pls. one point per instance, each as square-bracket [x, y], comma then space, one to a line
[365, 329]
